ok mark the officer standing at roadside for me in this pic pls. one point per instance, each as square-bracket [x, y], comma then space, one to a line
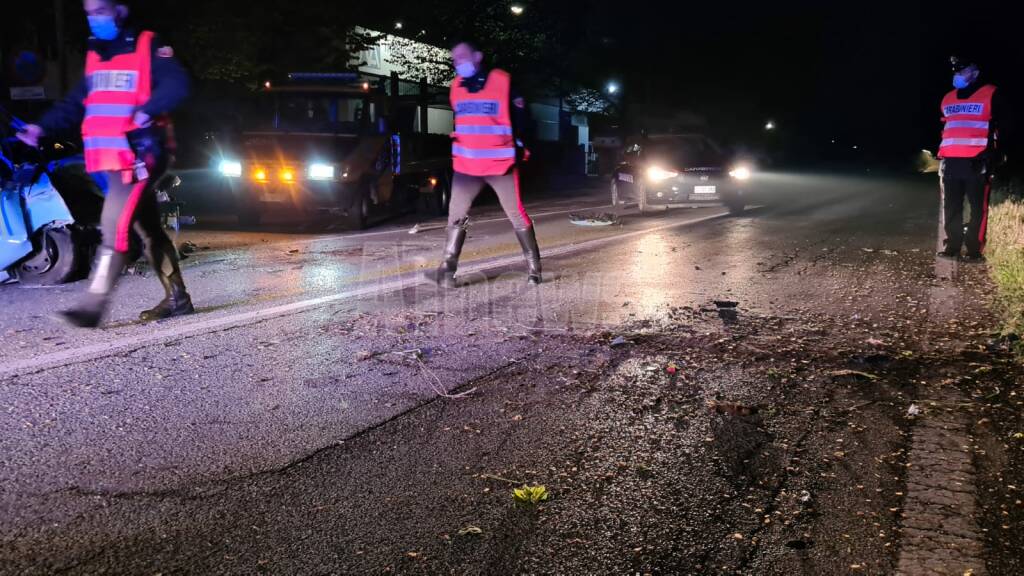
[132, 82]
[487, 147]
[969, 151]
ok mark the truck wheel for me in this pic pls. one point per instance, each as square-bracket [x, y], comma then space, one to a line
[436, 203]
[57, 259]
[358, 216]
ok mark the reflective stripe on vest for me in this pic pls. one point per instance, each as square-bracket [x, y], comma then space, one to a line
[964, 142]
[117, 88]
[966, 133]
[497, 130]
[119, 143]
[483, 144]
[110, 110]
[967, 124]
[483, 153]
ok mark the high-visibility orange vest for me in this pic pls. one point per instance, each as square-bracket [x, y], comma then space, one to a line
[117, 88]
[484, 145]
[967, 123]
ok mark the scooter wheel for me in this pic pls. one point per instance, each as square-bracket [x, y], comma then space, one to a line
[56, 260]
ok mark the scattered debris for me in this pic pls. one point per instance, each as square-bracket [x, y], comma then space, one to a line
[914, 410]
[293, 251]
[591, 219]
[726, 304]
[419, 227]
[470, 530]
[875, 342]
[499, 479]
[530, 494]
[363, 355]
[188, 248]
[805, 496]
[671, 368]
[731, 408]
[854, 373]
[619, 341]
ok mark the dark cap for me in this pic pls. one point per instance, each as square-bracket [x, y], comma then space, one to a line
[960, 62]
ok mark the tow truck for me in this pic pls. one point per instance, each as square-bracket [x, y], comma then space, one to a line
[346, 146]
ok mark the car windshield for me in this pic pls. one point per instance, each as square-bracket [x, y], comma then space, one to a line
[684, 152]
[318, 113]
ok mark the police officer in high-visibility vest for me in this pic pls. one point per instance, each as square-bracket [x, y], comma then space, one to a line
[968, 152]
[488, 144]
[132, 82]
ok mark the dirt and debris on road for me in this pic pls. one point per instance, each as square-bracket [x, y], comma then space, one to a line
[764, 452]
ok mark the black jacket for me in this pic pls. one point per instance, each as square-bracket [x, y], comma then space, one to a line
[170, 88]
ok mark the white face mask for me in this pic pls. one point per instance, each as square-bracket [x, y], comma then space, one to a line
[466, 69]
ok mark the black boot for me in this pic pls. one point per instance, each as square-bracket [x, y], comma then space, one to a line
[176, 302]
[444, 276]
[528, 240]
[105, 272]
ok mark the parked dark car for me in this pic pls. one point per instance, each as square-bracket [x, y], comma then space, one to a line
[679, 169]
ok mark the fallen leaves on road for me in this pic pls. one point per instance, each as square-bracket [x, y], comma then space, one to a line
[854, 373]
[470, 530]
[530, 494]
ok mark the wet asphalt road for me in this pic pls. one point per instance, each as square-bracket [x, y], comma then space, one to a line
[223, 442]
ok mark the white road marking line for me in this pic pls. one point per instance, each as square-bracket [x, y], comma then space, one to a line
[202, 326]
[405, 230]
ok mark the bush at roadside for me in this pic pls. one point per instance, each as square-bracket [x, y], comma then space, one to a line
[1005, 254]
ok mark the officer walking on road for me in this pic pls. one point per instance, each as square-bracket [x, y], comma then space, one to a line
[487, 146]
[132, 82]
[968, 154]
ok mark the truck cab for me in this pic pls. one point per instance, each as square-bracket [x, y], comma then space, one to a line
[341, 146]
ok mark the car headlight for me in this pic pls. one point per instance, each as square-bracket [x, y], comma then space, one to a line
[230, 168]
[657, 174]
[319, 171]
[740, 173]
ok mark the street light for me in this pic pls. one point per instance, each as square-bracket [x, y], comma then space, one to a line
[517, 9]
[769, 125]
[398, 25]
[613, 88]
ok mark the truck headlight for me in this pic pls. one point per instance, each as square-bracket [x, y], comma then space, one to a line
[740, 173]
[657, 174]
[230, 168]
[319, 171]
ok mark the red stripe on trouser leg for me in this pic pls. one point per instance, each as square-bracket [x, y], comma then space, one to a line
[983, 230]
[124, 221]
[519, 200]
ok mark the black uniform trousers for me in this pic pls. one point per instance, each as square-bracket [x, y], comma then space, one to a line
[960, 179]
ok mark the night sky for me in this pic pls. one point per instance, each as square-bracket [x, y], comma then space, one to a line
[867, 73]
